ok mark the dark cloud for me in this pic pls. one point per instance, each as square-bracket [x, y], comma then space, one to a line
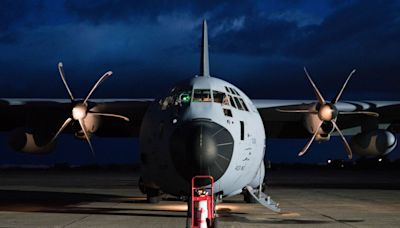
[11, 12]
[267, 41]
[105, 11]
[14, 15]
[356, 34]
[258, 36]
[362, 24]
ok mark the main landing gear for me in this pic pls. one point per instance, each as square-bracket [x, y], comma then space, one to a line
[248, 198]
[262, 198]
[153, 195]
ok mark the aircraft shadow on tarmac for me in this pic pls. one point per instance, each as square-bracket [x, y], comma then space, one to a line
[67, 202]
[74, 203]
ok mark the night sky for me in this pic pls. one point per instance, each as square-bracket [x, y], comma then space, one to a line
[260, 46]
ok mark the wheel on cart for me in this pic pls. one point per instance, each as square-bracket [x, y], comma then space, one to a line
[188, 222]
[215, 223]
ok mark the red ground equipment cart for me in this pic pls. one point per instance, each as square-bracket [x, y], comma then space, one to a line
[203, 214]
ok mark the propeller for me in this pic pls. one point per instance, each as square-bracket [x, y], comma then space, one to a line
[327, 112]
[80, 108]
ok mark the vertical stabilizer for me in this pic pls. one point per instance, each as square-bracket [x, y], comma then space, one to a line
[204, 61]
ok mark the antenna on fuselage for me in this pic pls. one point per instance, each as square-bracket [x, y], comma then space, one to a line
[204, 61]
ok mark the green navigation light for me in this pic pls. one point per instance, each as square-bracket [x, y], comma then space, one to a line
[185, 98]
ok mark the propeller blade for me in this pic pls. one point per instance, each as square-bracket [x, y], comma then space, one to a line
[305, 148]
[373, 114]
[101, 80]
[346, 144]
[337, 97]
[66, 122]
[320, 98]
[296, 111]
[110, 115]
[86, 135]
[62, 74]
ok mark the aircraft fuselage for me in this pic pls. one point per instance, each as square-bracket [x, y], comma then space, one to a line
[204, 126]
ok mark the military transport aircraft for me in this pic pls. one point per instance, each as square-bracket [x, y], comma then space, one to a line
[205, 126]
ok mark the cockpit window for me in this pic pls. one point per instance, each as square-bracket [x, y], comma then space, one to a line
[178, 96]
[232, 102]
[225, 100]
[202, 95]
[243, 104]
[235, 91]
[227, 90]
[239, 105]
[218, 96]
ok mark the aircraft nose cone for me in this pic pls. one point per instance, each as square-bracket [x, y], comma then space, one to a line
[201, 148]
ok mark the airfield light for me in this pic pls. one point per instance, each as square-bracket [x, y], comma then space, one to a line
[329, 161]
[380, 160]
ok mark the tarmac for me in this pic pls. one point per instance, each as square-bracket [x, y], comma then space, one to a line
[103, 198]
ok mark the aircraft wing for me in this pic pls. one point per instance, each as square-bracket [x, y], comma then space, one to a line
[47, 115]
[292, 125]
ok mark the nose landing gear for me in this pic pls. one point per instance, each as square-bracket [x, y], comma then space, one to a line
[153, 195]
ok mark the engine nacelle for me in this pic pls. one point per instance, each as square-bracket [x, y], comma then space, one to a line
[22, 141]
[311, 122]
[374, 143]
[92, 124]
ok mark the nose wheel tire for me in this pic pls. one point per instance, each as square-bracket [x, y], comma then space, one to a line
[153, 195]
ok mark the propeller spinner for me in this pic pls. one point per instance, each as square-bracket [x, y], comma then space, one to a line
[327, 112]
[80, 108]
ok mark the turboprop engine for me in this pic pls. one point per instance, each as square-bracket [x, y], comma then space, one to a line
[22, 141]
[82, 113]
[373, 143]
[321, 117]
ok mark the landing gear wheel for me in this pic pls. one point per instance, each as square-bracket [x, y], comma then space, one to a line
[248, 198]
[208, 221]
[153, 195]
[141, 186]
